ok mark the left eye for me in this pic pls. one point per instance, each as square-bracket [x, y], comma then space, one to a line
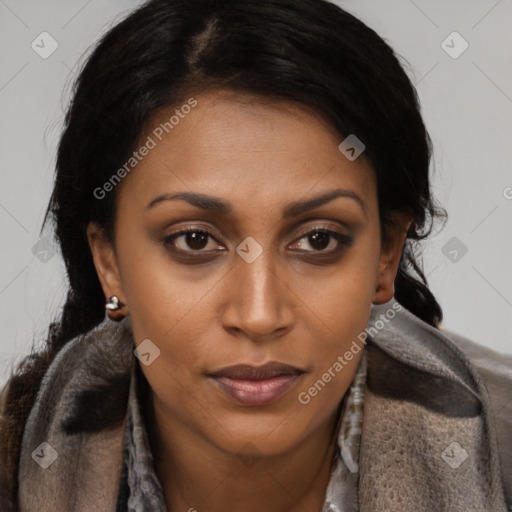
[323, 240]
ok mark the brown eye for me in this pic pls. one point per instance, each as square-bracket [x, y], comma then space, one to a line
[319, 240]
[190, 240]
[324, 241]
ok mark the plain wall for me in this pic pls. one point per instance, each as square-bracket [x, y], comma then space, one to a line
[466, 103]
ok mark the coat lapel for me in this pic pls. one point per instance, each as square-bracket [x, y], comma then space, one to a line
[428, 440]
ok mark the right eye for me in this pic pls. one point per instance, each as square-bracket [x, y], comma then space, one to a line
[190, 240]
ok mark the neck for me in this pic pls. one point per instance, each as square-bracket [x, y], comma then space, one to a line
[197, 475]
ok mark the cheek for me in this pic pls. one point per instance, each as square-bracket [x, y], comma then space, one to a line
[341, 301]
[175, 378]
[341, 308]
[337, 350]
[161, 294]
[335, 358]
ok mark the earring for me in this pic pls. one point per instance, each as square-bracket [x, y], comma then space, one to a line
[113, 303]
[113, 307]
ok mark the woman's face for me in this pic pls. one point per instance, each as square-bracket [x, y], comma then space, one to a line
[282, 263]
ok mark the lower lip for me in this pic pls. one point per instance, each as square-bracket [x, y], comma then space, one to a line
[256, 392]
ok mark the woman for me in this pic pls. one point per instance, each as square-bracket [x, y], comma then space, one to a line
[239, 190]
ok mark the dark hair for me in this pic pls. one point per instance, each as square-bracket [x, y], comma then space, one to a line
[307, 51]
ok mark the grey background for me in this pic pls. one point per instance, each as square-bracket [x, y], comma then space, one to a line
[466, 103]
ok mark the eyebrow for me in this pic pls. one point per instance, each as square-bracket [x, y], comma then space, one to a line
[219, 206]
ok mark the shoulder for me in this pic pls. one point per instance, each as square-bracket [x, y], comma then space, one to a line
[495, 369]
[496, 372]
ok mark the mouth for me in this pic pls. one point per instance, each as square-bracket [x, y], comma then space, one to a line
[250, 385]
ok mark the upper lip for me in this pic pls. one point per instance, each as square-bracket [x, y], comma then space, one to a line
[248, 372]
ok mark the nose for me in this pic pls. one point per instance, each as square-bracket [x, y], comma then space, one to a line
[260, 301]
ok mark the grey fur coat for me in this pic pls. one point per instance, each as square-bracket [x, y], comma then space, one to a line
[436, 431]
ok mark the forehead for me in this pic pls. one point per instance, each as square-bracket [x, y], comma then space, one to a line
[243, 147]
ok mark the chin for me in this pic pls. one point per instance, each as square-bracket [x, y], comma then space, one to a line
[257, 436]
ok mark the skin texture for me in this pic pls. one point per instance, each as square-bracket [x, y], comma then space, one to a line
[293, 304]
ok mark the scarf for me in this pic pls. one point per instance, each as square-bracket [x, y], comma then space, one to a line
[428, 438]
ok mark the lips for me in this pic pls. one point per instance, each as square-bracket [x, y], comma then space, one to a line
[247, 372]
[250, 385]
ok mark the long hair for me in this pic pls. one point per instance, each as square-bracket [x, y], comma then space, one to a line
[307, 51]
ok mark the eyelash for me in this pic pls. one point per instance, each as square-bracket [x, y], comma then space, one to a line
[344, 241]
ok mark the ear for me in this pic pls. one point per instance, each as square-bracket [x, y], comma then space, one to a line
[105, 262]
[390, 258]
